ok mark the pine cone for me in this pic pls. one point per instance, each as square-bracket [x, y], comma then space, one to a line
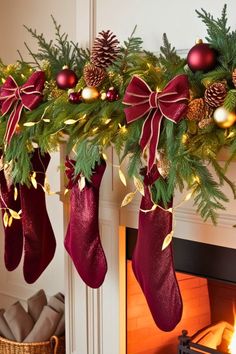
[93, 75]
[234, 77]
[215, 94]
[105, 49]
[196, 109]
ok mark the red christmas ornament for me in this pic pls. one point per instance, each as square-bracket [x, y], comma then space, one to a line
[75, 97]
[201, 57]
[112, 95]
[66, 78]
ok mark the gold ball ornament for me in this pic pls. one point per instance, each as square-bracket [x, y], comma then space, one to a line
[223, 118]
[90, 94]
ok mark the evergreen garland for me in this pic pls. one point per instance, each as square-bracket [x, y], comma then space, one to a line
[90, 128]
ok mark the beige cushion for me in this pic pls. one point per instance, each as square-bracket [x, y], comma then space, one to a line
[45, 327]
[36, 304]
[4, 328]
[59, 306]
[19, 321]
[60, 297]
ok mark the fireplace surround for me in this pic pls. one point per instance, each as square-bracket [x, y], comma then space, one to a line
[214, 266]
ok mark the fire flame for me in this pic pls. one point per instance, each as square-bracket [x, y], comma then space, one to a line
[232, 345]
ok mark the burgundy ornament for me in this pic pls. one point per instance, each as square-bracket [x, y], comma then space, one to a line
[112, 95]
[75, 97]
[201, 57]
[66, 79]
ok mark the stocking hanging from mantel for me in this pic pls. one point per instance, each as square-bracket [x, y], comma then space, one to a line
[82, 240]
[13, 243]
[152, 266]
[39, 239]
[32, 232]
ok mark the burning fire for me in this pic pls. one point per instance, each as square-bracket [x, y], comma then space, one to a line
[232, 345]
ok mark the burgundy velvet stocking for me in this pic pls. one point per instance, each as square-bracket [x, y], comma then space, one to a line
[82, 240]
[40, 243]
[154, 268]
[13, 234]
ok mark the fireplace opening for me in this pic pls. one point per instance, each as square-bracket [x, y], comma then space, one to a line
[207, 279]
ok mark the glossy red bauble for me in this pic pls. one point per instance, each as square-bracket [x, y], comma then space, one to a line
[75, 97]
[66, 79]
[201, 57]
[112, 95]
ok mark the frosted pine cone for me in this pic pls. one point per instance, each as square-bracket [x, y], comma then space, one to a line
[93, 75]
[196, 109]
[215, 94]
[105, 49]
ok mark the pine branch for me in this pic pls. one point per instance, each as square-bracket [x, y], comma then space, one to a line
[220, 37]
[230, 100]
[87, 155]
[169, 59]
[222, 177]
[131, 46]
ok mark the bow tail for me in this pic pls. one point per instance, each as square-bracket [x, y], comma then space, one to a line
[12, 122]
[154, 139]
[146, 132]
[150, 136]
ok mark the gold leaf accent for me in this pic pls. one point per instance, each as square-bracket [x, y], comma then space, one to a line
[128, 199]
[70, 121]
[15, 193]
[14, 214]
[44, 189]
[81, 183]
[10, 221]
[29, 124]
[139, 185]
[167, 240]
[5, 219]
[34, 182]
[104, 156]
[188, 196]
[122, 177]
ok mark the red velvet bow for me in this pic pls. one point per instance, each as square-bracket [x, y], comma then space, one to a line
[170, 103]
[16, 98]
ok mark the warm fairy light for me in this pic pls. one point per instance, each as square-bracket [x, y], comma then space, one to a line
[107, 121]
[230, 135]
[83, 117]
[22, 76]
[184, 138]
[123, 128]
[95, 130]
[232, 345]
[3, 80]
[196, 179]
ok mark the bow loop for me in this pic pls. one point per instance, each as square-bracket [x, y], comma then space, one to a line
[28, 96]
[171, 103]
